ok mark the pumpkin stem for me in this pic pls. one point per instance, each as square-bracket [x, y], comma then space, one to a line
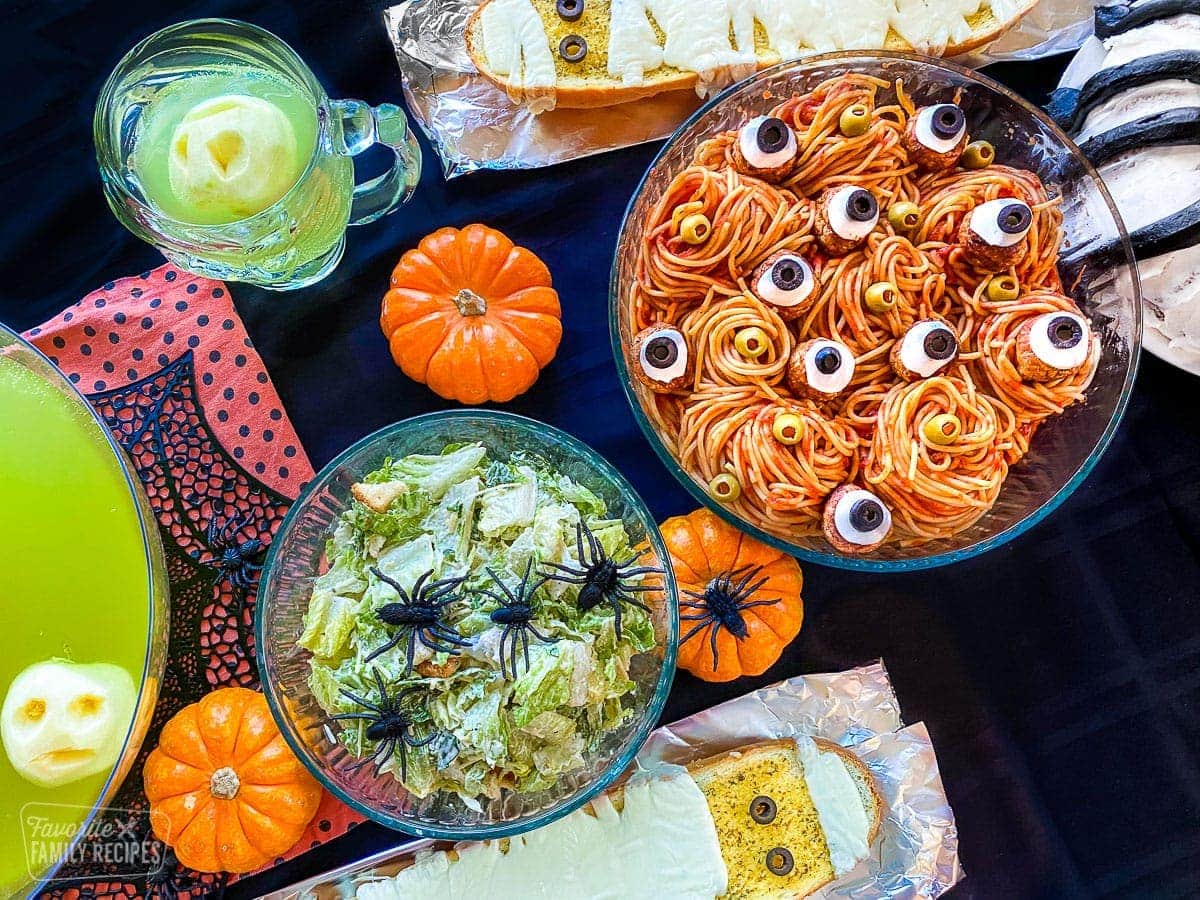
[470, 303]
[224, 784]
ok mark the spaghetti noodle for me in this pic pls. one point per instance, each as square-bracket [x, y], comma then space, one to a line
[881, 432]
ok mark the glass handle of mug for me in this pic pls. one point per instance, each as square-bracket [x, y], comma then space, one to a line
[363, 126]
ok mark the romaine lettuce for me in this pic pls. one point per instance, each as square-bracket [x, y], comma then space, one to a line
[463, 514]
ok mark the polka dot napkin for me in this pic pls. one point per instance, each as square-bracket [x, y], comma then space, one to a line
[167, 364]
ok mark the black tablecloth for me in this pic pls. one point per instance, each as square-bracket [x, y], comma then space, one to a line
[1059, 675]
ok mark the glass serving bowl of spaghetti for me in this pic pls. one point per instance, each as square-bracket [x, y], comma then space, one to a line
[876, 310]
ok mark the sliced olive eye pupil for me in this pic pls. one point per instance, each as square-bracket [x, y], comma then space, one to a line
[947, 121]
[779, 861]
[1065, 332]
[828, 360]
[772, 135]
[763, 809]
[661, 352]
[940, 344]
[861, 206]
[866, 515]
[787, 275]
[1015, 218]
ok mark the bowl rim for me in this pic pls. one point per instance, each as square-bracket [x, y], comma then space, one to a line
[653, 710]
[158, 602]
[869, 60]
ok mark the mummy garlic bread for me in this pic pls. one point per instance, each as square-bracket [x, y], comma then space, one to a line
[935, 136]
[846, 215]
[785, 282]
[854, 520]
[992, 233]
[1052, 346]
[926, 348]
[820, 369]
[765, 148]
[661, 359]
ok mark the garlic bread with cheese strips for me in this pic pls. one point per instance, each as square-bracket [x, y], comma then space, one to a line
[777, 819]
[592, 53]
[791, 815]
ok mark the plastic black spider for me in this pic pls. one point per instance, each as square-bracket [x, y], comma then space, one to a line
[604, 580]
[171, 881]
[418, 616]
[390, 727]
[722, 603]
[232, 557]
[516, 616]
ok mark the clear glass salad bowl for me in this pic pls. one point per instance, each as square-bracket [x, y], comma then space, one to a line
[60, 605]
[297, 556]
[1097, 265]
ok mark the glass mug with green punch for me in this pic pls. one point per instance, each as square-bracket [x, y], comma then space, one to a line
[217, 145]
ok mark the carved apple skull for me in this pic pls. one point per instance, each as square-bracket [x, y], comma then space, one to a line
[63, 721]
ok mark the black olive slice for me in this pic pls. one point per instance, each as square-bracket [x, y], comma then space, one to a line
[779, 861]
[661, 352]
[866, 515]
[763, 810]
[570, 10]
[1064, 332]
[1015, 218]
[573, 48]
[947, 120]
[861, 205]
[787, 275]
[940, 343]
[772, 135]
[827, 360]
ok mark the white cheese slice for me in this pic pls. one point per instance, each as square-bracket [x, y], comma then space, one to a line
[517, 47]
[662, 839]
[785, 23]
[698, 39]
[1138, 102]
[633, 48]
[1175, 33]
[1153, 183]
[932, 25]
[1171, 289]
[848, 25]
[715, 39]
[836, 797]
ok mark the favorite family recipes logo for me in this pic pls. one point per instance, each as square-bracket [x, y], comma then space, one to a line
[116, 842]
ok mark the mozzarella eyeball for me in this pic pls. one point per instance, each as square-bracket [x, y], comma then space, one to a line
[856, 520]
[926, 348]
[852, 213]
[821, 368]
[664, 356]
[940, 128]
[786, 281]
[1003, 222]
[1061, 340]
[767, 142]
[64, 721]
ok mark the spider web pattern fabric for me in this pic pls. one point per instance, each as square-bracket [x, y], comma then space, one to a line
[167, 364]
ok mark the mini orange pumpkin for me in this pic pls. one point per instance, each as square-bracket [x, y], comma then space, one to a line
[225, 790]
[472, 315]
[739, 600]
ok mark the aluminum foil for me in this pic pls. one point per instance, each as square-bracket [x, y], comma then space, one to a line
[916, 854]
[473, 125]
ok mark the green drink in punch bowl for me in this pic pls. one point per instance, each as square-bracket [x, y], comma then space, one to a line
[217, 145]
[84, 598]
